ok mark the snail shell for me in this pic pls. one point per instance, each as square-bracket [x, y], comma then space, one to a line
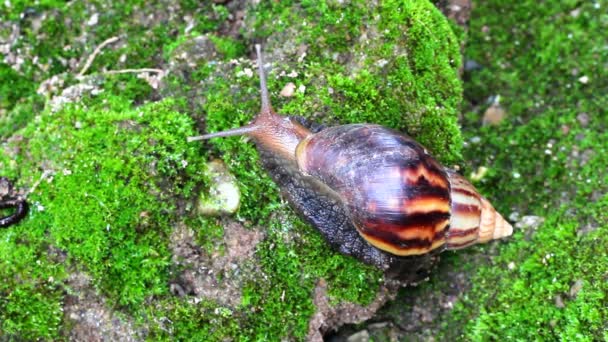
[398, 197]
[372, 192]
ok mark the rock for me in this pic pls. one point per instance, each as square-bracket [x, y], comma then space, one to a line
[576, 288]
[288, 90]
[91, 318]
[479, 173]
[74, 93]
[471, 65]
[494, 115]
[583, 119]
[329, 316]
[457, 10]
[559, 302]
[191, 55]
[224, 195]
[361, 336]
[214, 275]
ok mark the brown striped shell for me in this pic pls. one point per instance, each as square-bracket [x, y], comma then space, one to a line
[400, 199]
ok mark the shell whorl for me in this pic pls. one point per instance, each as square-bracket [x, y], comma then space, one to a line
[473, 218]
[398, 197]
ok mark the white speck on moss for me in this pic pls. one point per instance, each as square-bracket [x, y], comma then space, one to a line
[247, 72]
[93, 20]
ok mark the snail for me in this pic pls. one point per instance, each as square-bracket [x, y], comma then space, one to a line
[9, 200]
[373, 193]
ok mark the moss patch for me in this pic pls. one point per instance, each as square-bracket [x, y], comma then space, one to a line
[394, 64]
[116, 173]
[547, 159]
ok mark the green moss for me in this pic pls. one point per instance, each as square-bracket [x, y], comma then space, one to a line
[521, 302]
[143, 35]
[14, 10]
[405, 81]
[228, 47]
[284, 306]
[14, 86]
[202, 322]
[106, 206]
[547, 159]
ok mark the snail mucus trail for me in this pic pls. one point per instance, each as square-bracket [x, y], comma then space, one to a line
[372, 192]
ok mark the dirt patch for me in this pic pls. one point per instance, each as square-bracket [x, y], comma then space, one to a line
[219, 275]
[89, 318]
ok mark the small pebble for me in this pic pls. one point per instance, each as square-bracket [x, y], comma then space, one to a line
[224, 196]
[379, 325]
[381, 63]
[575, 288]
[471, 65]
[361, 336]
[575, 12]
[559, 302]
[247, 72]
[583, 119]
[93, 20]
[475, 140]
[288, 90]
[494, 115]
[479, 173]
[514, 216]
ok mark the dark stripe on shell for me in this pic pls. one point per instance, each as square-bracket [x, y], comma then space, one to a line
[400, 221]
[470, 192]
[462, 208]
[462, 232]
[460, 245]
[403, 244]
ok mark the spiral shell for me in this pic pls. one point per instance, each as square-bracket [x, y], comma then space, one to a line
[400, 199]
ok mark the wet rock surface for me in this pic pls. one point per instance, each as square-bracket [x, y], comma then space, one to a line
[218, 275]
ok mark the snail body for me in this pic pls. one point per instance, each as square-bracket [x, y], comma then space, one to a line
[372, 192]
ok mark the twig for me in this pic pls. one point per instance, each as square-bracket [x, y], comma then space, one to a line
[87, 65]
[135, 71]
